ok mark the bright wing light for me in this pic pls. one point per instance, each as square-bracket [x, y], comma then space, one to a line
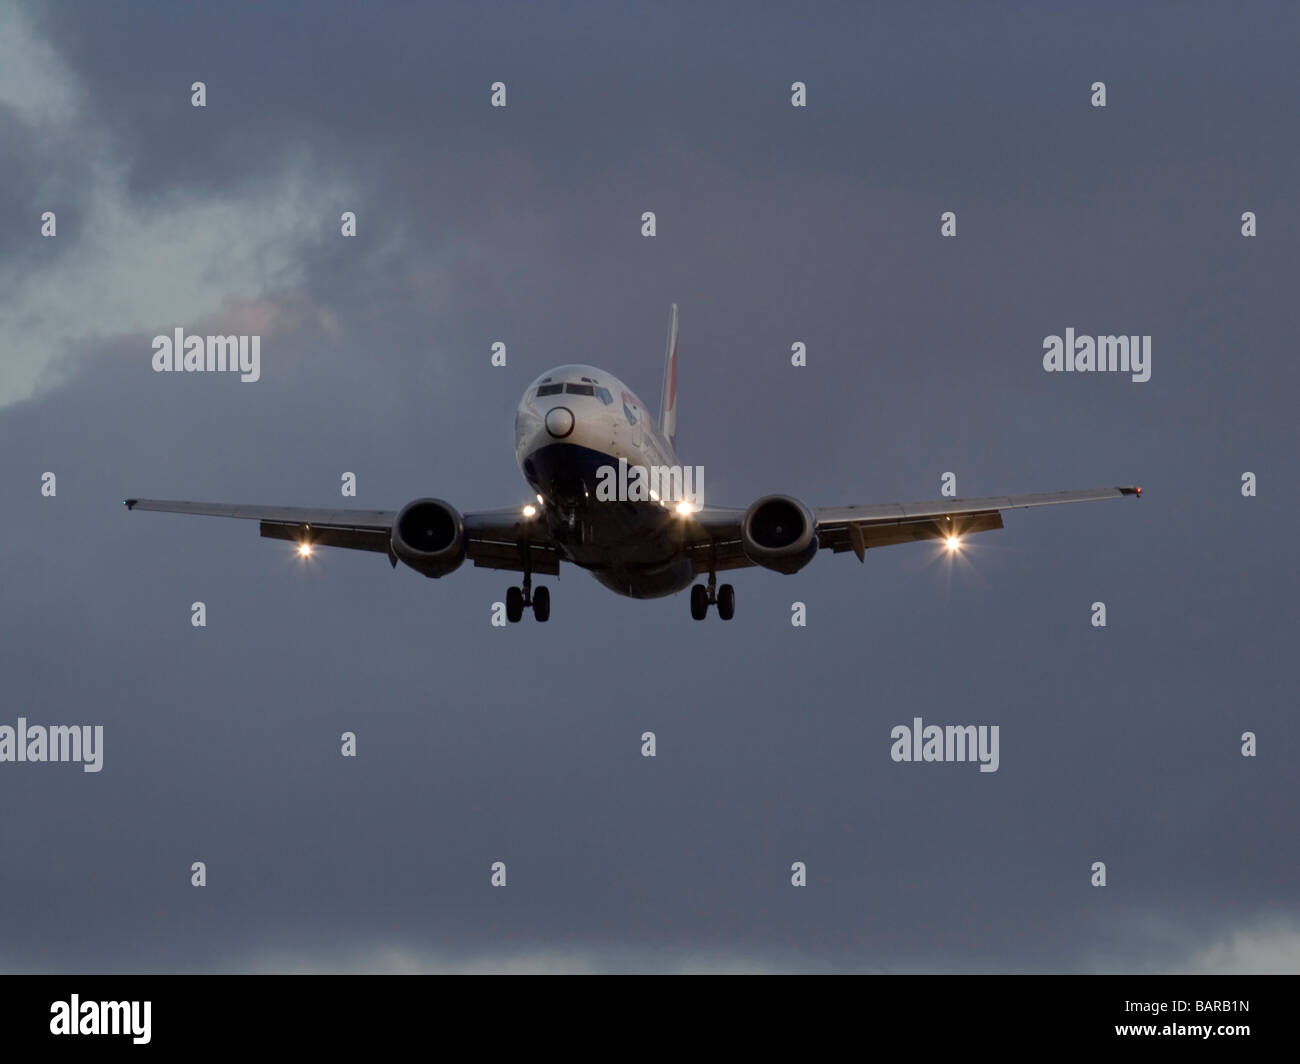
[529, 510]
[953, 542]
[304, 550]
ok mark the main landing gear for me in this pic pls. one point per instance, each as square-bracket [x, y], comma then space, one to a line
[703, 597]
[519, 598]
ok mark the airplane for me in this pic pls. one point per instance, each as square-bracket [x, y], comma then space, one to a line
[572, 427]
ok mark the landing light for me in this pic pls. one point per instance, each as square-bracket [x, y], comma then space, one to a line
[529, 510]
[304, 550]
[953, 542]
[684, 508]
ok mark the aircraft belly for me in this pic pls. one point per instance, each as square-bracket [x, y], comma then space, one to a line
[665, 579]
[633, 548]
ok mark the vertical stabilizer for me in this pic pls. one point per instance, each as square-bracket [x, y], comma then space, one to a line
[668, 398]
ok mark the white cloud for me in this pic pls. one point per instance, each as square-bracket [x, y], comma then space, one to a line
[1272, 948]
[1157, 943]
[136, 267]
[33, 78]
[1266, 946]
[403, 960]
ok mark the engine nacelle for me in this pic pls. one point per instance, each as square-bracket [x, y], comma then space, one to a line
[429, 536]
[779, 533]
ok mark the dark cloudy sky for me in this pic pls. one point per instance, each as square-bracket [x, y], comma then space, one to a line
[776, 225]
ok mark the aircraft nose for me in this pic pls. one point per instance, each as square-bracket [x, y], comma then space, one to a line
[559, 421]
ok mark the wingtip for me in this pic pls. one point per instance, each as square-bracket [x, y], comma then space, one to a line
[130, 503]
[1131, 491]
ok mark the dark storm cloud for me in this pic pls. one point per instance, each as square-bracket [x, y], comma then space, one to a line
[522, 745]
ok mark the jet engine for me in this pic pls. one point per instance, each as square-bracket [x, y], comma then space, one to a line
[429, 536]
[779, 533]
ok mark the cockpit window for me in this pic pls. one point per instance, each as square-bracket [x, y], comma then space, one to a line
[603, 395]
[579, 389]
[550, 389]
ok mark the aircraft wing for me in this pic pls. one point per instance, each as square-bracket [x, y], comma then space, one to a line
[715, 535]
[856, 528]
[495, 539]
[712, 539]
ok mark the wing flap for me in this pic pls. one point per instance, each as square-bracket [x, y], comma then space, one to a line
[544, 560]
[328, 536]
[858, 537]
[722, 555]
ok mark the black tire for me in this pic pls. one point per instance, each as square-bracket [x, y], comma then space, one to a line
[514, 605]
[542, 604]
[699, 602]
[726, 602]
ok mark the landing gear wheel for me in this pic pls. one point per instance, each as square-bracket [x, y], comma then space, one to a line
[514, 605]
[699, 602]
[542, 604]
[726, 602]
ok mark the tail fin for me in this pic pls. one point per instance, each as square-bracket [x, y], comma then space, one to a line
[668, 399]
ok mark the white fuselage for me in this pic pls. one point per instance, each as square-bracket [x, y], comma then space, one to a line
[572, 421]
